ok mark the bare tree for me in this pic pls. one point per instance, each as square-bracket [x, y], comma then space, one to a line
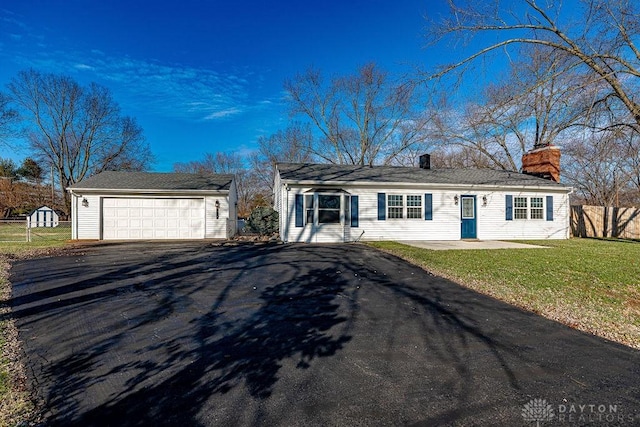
[534, 106]
[292, 145]
[632, 161]
[228, 163]
[360, 119]
[219, 162]
[21, 190]
[597, 168]
[600, 37]
[8, 117]
[79, 130]
[459, 158]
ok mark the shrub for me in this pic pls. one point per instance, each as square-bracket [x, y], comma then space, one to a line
[263, 220]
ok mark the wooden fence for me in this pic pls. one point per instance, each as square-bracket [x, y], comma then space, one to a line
[601, 221]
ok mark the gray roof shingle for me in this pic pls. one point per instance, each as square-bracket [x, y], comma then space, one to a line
[413, 175]
[117, 180]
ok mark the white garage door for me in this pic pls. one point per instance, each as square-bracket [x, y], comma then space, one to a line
[139, 218]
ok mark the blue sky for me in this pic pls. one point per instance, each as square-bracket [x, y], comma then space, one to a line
[205, 76]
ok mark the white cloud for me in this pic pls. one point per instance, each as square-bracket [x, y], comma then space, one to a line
[171, 90]
[223, 113]
[83, 67]
[9, 18]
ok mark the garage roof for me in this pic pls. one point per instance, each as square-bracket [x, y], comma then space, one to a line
[328, 173]
[117, 180]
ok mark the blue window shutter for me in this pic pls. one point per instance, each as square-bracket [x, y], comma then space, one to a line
[509, 207]
[428, 207]
[549, 208]
[382, 206]
[354, 211]
[299, 210]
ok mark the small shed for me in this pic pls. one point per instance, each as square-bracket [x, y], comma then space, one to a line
[44, 216]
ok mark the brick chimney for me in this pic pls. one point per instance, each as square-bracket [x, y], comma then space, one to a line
[425, 161]
[543, 162]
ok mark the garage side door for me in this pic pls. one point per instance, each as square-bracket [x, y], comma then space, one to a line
[140, 218]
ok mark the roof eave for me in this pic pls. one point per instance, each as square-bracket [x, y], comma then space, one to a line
[553, 187]
[144, 191]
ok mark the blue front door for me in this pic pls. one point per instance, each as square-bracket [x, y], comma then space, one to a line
[468, 214]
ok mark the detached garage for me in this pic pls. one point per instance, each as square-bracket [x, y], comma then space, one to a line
[151, 206]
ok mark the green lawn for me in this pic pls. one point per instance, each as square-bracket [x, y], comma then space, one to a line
[16, 407]
[62, 232]
[592, 285]
[13, 231]
[17, 232]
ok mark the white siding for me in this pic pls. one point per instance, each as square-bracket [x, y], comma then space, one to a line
[216, 228]
[492, 224]
[445, 225]
[323, 233]
[87, 221]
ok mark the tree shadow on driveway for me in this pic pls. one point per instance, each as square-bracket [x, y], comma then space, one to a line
[194, 334]
[195, 329]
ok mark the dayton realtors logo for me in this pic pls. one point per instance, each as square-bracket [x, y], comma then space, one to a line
[540, 411]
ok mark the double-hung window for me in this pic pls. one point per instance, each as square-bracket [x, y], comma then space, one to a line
[309, 208]
[395, 205]
[528, 208]
[537, 209]
[414, 206]
[400, 206]
[520, 207]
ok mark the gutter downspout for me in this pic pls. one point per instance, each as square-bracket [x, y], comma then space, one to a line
[286, 224]
[74, 215]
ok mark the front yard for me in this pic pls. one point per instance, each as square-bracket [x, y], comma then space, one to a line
[591, 285]
[17, 232]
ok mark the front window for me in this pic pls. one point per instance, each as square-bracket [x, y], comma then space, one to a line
[528, 208]
[308, 202]
[520, 207]
[395, 206]
[537, 211]
[400, 206]
[414, 206]
[328, 209]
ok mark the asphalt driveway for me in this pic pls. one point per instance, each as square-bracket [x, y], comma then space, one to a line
[197, 334]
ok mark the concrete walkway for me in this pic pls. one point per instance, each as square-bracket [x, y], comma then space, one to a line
[444, 245]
